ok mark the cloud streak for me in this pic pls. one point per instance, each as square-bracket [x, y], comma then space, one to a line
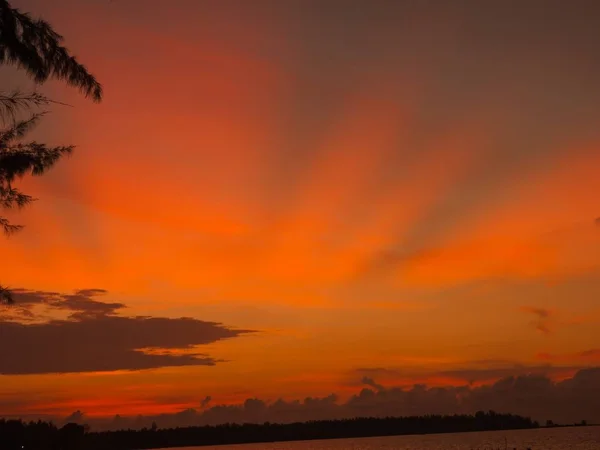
[591, 356]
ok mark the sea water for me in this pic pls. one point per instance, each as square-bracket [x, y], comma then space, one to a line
[570, 438]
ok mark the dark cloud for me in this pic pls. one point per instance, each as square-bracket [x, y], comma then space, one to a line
[543, 328]
[542, 320]
[540, 312]
[533, 395]
[80, 304]
[593, 353]
[597, 221]
[371, 382]
[469, 372]
[95, 338]
[474, 375]
[205, 401]
[75, 417]
[377, 371]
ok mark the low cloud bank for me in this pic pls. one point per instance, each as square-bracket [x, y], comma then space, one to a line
[535, 396]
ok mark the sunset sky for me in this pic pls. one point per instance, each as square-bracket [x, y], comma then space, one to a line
[293, 198]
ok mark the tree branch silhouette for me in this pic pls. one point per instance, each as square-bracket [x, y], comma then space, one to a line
[35, 47]
[12, 103]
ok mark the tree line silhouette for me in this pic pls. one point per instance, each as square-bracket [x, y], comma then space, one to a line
[15, 434]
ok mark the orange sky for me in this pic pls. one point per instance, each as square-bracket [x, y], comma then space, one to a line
[364, 184]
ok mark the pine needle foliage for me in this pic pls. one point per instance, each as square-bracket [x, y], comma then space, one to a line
[15, 102]
[5, 296]
[34, 46]
[17, 159]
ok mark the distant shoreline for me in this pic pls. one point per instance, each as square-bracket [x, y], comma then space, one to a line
[17, 434]
[232, 434]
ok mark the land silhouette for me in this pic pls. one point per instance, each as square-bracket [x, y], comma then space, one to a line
[16, 434]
